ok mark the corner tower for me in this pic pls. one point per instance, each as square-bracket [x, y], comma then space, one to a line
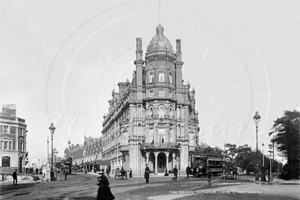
[152, 120]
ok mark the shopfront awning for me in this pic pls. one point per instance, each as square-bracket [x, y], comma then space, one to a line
[102, 162]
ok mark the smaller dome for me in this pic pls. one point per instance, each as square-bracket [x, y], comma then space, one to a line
[159, 42]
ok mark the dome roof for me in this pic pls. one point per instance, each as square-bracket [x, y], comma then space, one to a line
[159, 42]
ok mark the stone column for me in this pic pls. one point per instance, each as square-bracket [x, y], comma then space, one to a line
[17, 140]
[155, 133]
[147, 157]
[173, 160]
[156, 155]
[167, 160]
[167, 134]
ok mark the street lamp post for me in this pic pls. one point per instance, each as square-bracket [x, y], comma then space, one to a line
[270, 172]
[256, 119]
[55, 152]
[52, 129]
[263, 154]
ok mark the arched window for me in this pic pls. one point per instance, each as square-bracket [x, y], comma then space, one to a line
[151, 112]
[151, 77]
[170, 78]
[161, 77]
[5, 161]
[171, 111]
[161, 112]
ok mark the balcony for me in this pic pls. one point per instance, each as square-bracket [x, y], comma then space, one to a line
[165, 145]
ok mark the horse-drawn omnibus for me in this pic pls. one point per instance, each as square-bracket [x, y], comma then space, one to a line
[200, 163]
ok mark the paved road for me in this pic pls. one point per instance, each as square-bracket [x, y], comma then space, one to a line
[84, 186]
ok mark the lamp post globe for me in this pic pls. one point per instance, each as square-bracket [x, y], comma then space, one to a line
[256, 119]
[52, 129]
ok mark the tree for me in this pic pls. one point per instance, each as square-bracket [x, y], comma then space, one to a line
[286, 135]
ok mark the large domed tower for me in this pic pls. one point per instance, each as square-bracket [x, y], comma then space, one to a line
[152, 120]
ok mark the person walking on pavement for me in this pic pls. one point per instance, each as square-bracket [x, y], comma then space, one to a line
[175, 172]
[147, 173]
[209, 174]
[188, 169]
[66, 173]
[108, 170]
[15, 177]
[104, 192]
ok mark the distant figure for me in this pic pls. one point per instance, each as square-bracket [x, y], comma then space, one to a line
[263, 174]
[66, 173]
[15, 177]
[108, 171]
[166, 172]
[52, 175]
[36, 170]
[175, 171]
[235, 172]
[147, 174]
[104, 192]
[130, 173]
[188, 169]
[209, 174]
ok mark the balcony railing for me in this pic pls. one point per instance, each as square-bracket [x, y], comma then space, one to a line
[157, 145]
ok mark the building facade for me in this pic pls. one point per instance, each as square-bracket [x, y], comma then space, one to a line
[87, 155]
[152, 120]
[12, 140]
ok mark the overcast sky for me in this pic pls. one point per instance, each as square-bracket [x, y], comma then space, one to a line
[60, 60]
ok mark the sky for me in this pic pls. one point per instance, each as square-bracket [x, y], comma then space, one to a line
[60, 61]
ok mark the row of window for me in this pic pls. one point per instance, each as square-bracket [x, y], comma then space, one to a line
[161, 93]
[160, 78]
[5, 129]
[10, 145]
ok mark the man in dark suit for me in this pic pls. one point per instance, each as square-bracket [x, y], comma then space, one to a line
[175, 172]
[147, 173]
[15, 177]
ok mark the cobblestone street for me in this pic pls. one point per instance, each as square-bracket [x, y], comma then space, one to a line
[84, 186]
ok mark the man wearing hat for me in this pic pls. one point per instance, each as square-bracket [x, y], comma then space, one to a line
[104, 190]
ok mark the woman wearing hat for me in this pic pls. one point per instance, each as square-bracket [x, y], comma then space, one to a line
[104, 192]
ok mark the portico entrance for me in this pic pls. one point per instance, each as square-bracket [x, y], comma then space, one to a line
[161, 163]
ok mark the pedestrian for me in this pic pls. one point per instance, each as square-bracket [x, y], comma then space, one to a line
[104, 192]
[15, 177]
[188, 169]
[235, 172]
[66, 173]
[130, 173]
[209, 174]
[175, 172]
[147, 174]
[108, 170]
[36, 170]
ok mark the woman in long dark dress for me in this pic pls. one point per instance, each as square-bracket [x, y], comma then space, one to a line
[104, 192]
[147, 172]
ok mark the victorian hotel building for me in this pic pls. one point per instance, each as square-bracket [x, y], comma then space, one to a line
[152, 120]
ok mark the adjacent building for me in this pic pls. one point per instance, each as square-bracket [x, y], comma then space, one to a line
[152, 119]
[88, 155]
[12, 140]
